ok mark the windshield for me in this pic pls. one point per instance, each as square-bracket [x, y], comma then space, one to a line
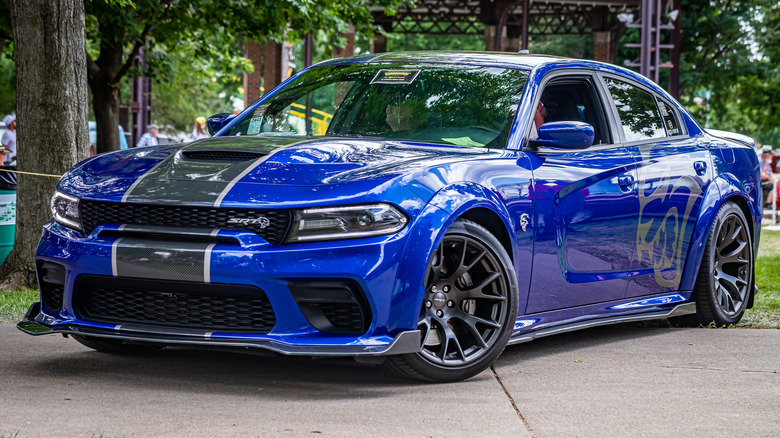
[462, 105]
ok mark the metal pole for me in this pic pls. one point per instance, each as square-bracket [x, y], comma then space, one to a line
[526, 13]
[645, 35]
[307, 61]
[656, 40]
[674, 75]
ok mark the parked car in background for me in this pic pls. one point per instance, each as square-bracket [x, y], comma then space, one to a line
[93, 136]
[421, 210]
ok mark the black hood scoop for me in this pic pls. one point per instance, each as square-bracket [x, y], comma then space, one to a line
[223, 155]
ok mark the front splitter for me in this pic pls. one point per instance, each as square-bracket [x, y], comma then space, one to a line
[403, 343]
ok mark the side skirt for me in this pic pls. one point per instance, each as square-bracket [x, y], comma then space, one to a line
[579, 324]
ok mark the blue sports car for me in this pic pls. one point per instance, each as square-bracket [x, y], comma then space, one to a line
[420, 210]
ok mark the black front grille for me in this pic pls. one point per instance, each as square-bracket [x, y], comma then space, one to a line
[222, 155]
[52, 296]
[230, 308]
[94, 213]
[346, 317]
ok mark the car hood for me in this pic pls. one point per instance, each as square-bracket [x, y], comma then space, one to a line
[276, 160]
[250, 170]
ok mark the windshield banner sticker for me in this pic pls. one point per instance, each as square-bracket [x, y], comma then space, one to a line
[395, 76]
[257, 120]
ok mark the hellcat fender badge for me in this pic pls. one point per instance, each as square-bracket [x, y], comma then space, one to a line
[260, 221]
[523, 221]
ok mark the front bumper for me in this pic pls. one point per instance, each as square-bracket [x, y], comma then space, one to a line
[388, 271]
[35, 323]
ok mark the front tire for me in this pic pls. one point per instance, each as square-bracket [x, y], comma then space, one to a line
[723, 286]
[468, 310]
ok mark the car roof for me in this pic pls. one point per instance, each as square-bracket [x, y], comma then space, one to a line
[517, 60]
[523, 61]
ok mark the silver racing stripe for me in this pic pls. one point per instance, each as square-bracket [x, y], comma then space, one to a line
[191, 182]
[140, 178]
[140, 258]
[240, 176]
[207, 264]
[114, 246]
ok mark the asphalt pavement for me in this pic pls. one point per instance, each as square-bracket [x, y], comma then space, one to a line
[625, 380]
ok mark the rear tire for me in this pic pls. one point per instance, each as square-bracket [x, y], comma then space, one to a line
[468, 311]
[724, 284]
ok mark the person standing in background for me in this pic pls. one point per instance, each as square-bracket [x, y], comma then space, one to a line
[150, 138]
[767, 175]
[9, 139]
[198, 132]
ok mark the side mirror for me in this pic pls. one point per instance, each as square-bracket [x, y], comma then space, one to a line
[566, 135]
[218, 121]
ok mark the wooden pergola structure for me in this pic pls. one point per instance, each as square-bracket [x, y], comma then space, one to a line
[507, 25]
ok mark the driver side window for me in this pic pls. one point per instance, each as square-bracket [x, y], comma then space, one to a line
[572, 99]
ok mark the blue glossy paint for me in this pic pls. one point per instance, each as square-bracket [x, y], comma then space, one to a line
[565, 135]
[607, 230]
[216, 122]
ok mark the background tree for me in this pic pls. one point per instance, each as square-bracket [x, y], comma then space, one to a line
[727, 48]
[51, 90]
[198, 80]
[7, 71]
[6, 32]
[119, 31]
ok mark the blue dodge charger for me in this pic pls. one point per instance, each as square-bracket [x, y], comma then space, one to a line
[419, 210]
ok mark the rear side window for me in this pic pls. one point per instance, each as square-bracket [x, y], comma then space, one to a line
[637, 110]
[669, 118]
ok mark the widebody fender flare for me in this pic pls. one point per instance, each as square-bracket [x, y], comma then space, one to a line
[724, 188]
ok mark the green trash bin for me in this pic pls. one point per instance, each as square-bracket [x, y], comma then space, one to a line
[7, 222]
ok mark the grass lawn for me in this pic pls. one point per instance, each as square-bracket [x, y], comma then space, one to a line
[764, 314]
[766, 309]
[13, 305]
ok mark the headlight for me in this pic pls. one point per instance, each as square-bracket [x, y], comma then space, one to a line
[65, 210]
[345, 222]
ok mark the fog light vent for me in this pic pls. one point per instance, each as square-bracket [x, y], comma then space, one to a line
[333, 306]
[51, 278]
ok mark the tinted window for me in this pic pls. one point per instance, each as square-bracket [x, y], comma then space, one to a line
[462, 105]
[573, 100]
[637, 111]
[670, 121]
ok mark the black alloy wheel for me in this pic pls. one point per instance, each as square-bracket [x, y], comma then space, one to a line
[724, 284]
[468, 309]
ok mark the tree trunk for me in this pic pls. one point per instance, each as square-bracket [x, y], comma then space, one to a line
[105, 103]
[52, 132]
[103, 77]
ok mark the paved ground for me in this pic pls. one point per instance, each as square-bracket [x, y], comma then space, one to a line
[624, 380]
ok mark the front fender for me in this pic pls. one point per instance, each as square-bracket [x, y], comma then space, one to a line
[458, 198]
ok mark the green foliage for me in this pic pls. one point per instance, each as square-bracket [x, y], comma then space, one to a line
[14, 304]
[412, 42]
[570, 46]
[731, 48]
[6, 32]
[206, 35]
[183, 93]
[7, 83]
